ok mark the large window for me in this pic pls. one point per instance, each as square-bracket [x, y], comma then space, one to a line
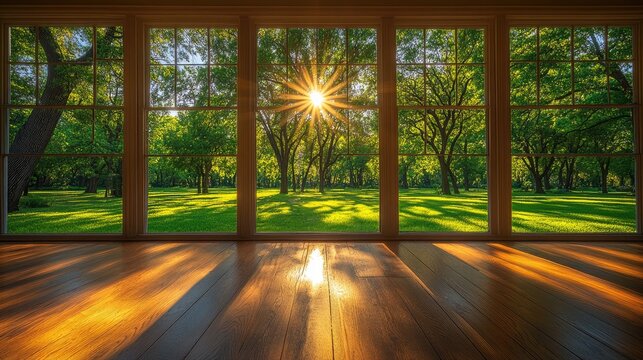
[379, 126]
[65, 123]
[192, 130]
[317, 130]
[442, 121]
[572, 129]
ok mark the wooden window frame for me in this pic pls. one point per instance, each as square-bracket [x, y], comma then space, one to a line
[498, 20]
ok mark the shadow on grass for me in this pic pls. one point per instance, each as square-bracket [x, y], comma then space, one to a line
[350, 210]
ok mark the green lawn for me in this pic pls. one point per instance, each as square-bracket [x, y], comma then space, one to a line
[587, 211]
[181, 210]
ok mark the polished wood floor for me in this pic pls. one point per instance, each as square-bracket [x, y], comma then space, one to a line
[411, 300]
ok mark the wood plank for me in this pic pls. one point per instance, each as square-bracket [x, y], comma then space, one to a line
[176, 332]
[369, 320]
[254, 324]
[493, 341]
[321, 301]
[543, 325]
[612, 301]
[483, 264]
[101, 320]
[620, 273]
[309, 333]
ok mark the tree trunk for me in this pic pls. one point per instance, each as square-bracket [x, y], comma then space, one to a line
[92, 185]
[205, 182]
[283, 179]
[404, 177]
[454, 181]
[538, 184]
[444, 177]
[604, 165]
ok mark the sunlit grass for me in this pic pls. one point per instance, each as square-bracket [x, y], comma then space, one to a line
[587, 211]
[334, 211]
[182, 210]
[427, 211]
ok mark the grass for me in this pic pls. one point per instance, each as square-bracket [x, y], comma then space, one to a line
[582, 212]
[182, 210]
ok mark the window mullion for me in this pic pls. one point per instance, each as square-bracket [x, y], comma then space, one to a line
[389, 218]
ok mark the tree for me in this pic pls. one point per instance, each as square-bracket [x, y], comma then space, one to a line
[34, 136]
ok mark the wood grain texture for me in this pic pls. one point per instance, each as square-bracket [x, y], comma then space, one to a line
[296, 300]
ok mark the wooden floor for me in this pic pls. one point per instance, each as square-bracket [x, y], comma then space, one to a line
[321, 301]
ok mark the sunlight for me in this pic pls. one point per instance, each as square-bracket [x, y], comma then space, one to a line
[316, 98]
[313, 97]
[314, 271]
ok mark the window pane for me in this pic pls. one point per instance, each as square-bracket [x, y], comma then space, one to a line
[555, 44]
[440, 46]
[555, 83]
[571, 168]
[349, 204]
[621, 82]
[579, 194]
[590, 83]
[23, 44]
[64, 160]
[410, 49]
[523, 84]
[162, 82]
[362, 46]
[68, 195]
[192, 194]
[363, 85]
[620, 43]
[423, 200]
[317, 131]
[109, 83]
[523, 43]
[223, 85]
[202, 132]
[272, 43]
[363, 132]
[470, 46]
[22, 80]
[162, 48]
[192, 46]
[589, 43]
[223, 46]
[442, 138]
[191, 85]
[410, 85]
[109, 42]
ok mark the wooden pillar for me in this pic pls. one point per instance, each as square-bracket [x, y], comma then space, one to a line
[638, 126]
[500, 133]
[389, 213]
[131, 174]
[246, 158]
[4, 127]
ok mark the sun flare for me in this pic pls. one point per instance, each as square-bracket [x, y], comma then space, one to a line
[316, 93]
[316, 98]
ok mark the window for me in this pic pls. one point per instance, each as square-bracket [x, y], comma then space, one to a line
[572, 129]
[442, 120]
[317, 130]
[192, 130]
[236, 126]
[65, 122]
